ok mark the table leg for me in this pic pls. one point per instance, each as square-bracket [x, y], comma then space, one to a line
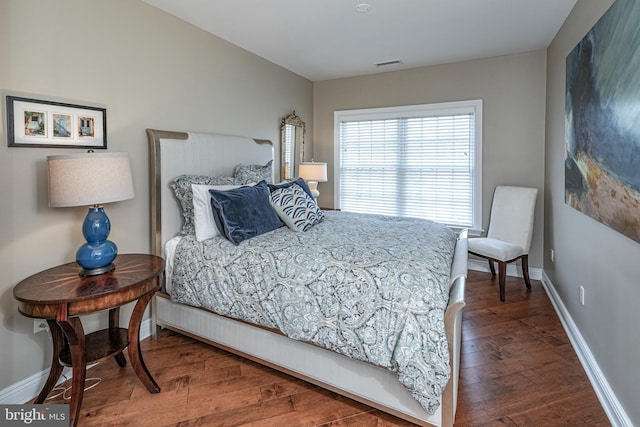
[135, 354]
[56, 368]
[75, 337]
[114, 323]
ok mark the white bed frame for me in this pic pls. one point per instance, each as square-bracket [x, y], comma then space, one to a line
[176, 153]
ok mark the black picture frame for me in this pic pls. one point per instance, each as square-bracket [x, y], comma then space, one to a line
[43, 123]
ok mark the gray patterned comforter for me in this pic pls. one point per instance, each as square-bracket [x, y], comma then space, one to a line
[371, 287]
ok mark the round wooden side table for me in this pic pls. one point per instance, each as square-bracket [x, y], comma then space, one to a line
[60, 295]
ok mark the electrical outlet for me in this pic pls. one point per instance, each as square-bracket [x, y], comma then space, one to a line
[552, 255]
[581, 295]
[39, 325]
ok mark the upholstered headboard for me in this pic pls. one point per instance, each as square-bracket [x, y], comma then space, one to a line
[177, 153]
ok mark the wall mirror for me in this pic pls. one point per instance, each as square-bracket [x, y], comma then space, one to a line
[292, 132]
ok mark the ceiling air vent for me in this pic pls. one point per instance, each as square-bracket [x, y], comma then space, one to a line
[388, 63]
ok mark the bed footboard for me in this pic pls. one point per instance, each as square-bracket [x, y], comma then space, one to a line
[453, 328]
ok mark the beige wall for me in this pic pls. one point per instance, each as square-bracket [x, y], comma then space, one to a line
[587, 252]
[60, 50]
[513, 92]
[149, 70]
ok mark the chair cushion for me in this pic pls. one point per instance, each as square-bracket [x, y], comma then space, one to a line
[494, 248]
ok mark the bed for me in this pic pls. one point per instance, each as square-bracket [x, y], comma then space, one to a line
[173, 154]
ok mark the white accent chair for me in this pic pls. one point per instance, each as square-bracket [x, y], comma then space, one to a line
[510, 231]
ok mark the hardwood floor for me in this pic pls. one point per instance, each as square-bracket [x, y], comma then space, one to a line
[518, 369]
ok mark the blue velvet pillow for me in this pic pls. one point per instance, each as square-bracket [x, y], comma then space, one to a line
[301, 182]
[243, 213]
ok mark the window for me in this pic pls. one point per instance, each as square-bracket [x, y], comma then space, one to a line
[418, 161]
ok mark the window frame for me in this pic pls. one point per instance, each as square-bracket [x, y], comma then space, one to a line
[420, 110]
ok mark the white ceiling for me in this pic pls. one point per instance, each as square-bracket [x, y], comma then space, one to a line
[326, 39]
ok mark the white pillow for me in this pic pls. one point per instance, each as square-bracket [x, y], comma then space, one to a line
[204, 224]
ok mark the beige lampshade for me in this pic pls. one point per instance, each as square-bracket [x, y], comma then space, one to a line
[313, 171]
[89, 179]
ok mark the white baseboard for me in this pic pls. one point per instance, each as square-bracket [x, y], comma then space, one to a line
[606, 396]
[27, 389]
[608, 400]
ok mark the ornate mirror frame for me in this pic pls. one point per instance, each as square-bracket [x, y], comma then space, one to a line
[292, 131]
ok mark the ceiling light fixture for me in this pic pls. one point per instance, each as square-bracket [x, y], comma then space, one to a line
[363, 7]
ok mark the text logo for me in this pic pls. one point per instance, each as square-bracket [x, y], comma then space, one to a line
[34, 415]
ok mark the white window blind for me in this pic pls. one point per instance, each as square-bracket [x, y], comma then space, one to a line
[418, 161]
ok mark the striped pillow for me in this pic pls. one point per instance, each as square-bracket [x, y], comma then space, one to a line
[295, 208]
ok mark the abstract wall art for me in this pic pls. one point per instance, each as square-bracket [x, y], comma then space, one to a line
[602, 121]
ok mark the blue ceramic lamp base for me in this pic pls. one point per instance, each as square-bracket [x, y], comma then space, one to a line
[97, 255]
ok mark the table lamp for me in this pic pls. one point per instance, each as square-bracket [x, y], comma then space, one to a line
[91, 179]
[313, 173]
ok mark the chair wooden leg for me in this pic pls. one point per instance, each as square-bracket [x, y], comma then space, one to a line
[492, 268]
[502, 277]
[525, 270]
